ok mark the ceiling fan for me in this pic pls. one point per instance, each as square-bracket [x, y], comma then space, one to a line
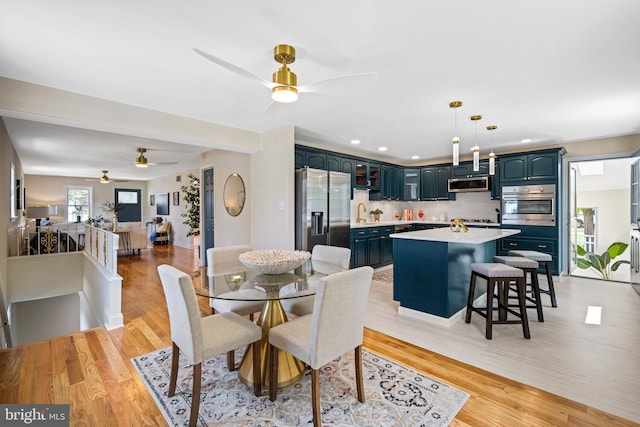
[105, 179]
[142, 162]
[284, 85]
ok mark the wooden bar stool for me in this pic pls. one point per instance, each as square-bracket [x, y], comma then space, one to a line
[498, 275]
[528, 266]
[545, 259]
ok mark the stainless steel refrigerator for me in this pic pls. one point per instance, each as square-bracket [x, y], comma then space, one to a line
[323, 208]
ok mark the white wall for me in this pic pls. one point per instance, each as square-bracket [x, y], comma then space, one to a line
[170, 184]
[229, 230]
[50, 190]
[272, 191]
[612, 222]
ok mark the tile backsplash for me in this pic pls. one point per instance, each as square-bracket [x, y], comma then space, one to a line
[467, 205]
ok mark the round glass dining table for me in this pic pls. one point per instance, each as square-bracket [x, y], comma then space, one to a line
[251, 285]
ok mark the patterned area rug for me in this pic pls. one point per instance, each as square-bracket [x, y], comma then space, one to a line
[394, 395]
[384, 275]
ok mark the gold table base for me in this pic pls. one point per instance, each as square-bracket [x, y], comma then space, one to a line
[290, 369]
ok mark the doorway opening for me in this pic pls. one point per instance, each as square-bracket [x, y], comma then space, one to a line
[599, 209]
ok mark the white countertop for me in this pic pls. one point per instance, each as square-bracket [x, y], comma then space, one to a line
[431, 222]
[473, 236]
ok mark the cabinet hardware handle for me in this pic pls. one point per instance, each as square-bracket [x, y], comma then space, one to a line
[513, 244]
[542, 246]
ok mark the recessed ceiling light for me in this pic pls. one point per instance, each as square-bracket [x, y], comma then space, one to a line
[526, 140]
[382, 149]
[355, 141]
[415, 157]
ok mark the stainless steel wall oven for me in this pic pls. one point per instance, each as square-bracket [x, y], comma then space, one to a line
[529, 205]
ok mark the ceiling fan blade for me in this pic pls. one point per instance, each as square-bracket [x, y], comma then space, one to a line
[234, 68]
[162, 163]
[317, 86]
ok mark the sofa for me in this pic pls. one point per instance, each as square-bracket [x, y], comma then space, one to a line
[138, 238]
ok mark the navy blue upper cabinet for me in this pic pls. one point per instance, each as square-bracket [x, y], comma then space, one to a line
[299, 158]
[391, 182]
[316, 160]
[529, 167]
[411, 185]
[434, 183]
[367, 175]
[465, 170]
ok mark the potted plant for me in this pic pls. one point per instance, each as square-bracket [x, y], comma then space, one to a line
[376, 214]
[192, 199]
[601, 263]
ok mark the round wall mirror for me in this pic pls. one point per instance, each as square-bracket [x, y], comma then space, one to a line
[234, 194]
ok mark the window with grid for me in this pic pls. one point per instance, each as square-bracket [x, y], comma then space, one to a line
[78, 203]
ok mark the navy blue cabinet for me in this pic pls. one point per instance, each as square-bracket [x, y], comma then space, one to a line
[537, 167]
[411, 185]
[465, 170]
[367, 175]
[371, 246]
[434, 183]
[391, 182]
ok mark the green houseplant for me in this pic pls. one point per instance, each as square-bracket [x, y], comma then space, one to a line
[602, 263]
[192, 199]
[376, 214]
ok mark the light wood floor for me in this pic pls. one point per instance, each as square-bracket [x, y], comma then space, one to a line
[91, 370]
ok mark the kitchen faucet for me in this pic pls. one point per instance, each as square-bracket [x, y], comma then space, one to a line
[364, 209]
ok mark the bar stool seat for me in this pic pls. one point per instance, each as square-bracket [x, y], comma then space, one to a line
[545, 259]
[528, 266]
[499, 275]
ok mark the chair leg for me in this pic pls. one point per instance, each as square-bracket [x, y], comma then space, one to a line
[251, 317]
[231, 360]
[536, 293]
[359, 383]
[173, 378]
[523, 306]
[491, 283]
[472, 288]
[257, 374]
[315, 397]
[552, 291]
[195, 397]
[273, 373]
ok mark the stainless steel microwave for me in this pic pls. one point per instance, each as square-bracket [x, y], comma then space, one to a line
[462, 185]
[529, 205]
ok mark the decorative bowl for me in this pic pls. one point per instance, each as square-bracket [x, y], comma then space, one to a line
[274, 261]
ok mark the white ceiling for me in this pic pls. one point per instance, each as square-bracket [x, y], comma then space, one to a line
[550, 71]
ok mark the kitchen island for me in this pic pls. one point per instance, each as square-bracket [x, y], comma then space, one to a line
[431, 269]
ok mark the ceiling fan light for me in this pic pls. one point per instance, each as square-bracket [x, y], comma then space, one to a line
[284, 94]
[141, 161]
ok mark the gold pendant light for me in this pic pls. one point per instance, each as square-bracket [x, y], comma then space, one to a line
[492, 155]
[456, 140]
[475, 148]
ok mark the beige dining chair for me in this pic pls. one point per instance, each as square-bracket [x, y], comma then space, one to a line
[324, 260]
[335, 327]
[200, 338]
[223, 261]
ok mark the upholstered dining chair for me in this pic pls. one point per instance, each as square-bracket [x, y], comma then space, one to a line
[220, 262]
[200, 338]
[335, 327]
[325, 260]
